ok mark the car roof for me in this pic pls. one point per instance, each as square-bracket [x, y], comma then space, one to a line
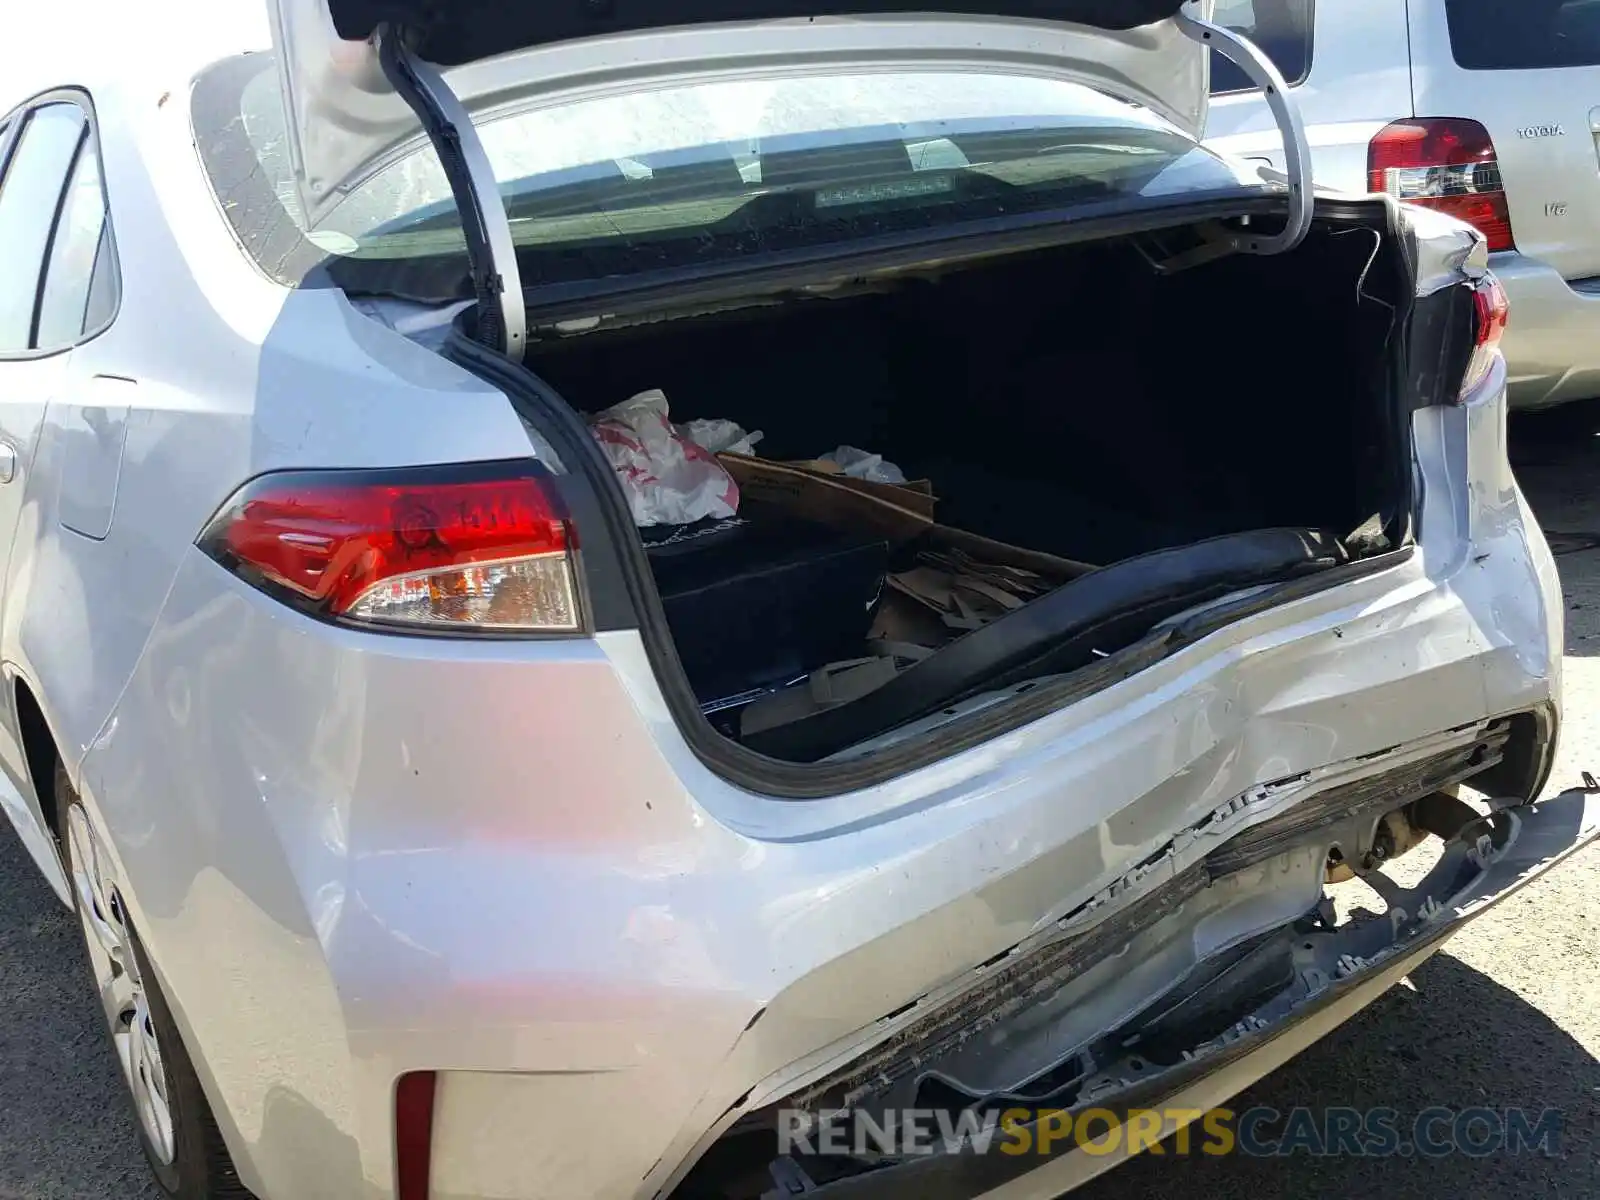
[103, 44]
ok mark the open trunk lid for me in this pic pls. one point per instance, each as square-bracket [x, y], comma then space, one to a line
[347, 119]
[364, 81]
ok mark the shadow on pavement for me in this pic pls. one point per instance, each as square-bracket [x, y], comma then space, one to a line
[1459, 1041]
[1546, 446]
[1557, 459]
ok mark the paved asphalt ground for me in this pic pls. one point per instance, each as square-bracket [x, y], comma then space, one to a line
[1508, 1016]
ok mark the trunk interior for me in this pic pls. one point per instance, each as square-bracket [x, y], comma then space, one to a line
[1076, 402]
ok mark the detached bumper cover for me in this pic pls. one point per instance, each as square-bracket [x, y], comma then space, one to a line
[1338, 972]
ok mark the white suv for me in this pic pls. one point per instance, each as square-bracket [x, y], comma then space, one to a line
[1439, 101]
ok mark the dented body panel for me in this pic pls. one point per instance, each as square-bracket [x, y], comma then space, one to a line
[502, 861]
[562, 913]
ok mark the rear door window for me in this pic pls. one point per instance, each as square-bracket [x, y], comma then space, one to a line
[30, 195]
[1523, 35]
[80, 283]
[1282, 28]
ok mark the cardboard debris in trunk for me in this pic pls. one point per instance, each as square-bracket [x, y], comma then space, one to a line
[959, 592]
[887, 509]
[958, 581]
[827, 687]
[899, 512]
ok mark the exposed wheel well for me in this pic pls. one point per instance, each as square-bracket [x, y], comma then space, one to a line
[39, 745]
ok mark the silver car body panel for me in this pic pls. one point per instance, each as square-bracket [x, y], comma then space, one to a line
[530, 883]
[501, 860]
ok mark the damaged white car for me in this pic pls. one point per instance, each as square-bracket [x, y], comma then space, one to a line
[593, 583]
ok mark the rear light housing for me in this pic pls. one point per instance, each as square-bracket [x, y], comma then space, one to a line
[1493, 314]
[1448, 164]
[473, 548]
[413, 1134]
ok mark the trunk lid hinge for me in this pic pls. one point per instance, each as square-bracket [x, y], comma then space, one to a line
[1296, 149]
[491, 252]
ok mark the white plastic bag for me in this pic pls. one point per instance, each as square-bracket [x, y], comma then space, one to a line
[863, 464]
[669, 479]
[721, 437]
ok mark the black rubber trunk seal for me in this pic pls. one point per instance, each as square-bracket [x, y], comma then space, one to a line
[1057, 632]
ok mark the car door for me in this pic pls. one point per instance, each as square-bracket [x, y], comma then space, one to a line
[1529, 72]
[59, 285]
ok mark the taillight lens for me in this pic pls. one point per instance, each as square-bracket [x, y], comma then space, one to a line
[413, 1134]
[1493, 314]
[478, 547]
[1448, 164]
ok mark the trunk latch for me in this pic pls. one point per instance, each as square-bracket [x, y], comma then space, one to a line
[1296, 149]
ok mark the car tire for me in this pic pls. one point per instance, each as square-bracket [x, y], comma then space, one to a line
[176, 1130]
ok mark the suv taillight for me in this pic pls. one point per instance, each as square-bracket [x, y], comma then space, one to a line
[475, 547]
[1448, 164]
[1493, 314]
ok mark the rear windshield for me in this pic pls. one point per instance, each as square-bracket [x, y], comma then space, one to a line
[1282, 28]
[682, 176]
[1522, 35]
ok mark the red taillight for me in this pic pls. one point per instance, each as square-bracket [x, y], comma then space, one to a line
[413, 1134]
[1493, 314]
[480, 546]
[1448, 164]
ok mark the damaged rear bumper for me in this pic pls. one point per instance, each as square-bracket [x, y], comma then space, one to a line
[559, 926]
[1335, 972]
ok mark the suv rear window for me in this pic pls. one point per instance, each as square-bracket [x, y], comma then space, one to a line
[1283, 28]
[1524, 35]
